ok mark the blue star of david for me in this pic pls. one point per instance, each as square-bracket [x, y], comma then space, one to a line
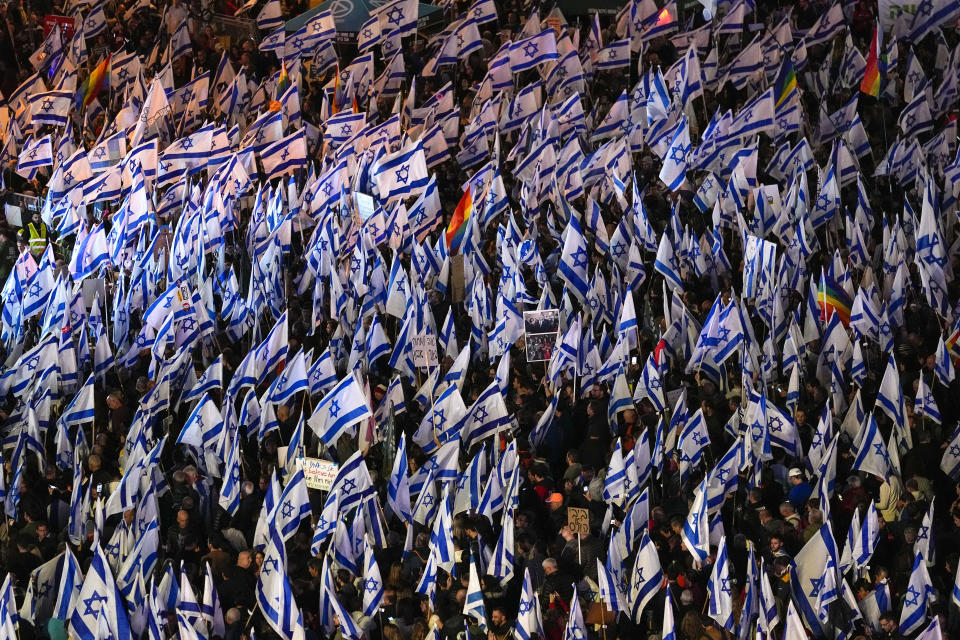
[579, 258]
[922, 534]
[822, 202]
[525, 606]
[349, 486]
[33, 363]
[346, 130]
[955, 451]
[35, 290]
[639, 575]
[99, 153]
[530, 49]
[722, 474]
[776, 425]
[285, 154]
[459, 41]
[371, 585]
[482, 414]
[271, 564]
[655, 384]
[817, 584]
[428, 500]
[618, 249]
[725, 585]
[403, 174]
[186, 143]
[925, 8]
[439, 419]
[91, 23]
[367, 33]
[90, 602]
[47, 104]
[286, 509]
[678, 153]
[913, 597]
[334, 408]
[44, 588]
[122, 73]
[757, 429]
[395, 16]
[881, 451]
[297, 43]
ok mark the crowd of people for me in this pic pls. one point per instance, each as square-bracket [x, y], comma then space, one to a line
[751, 400]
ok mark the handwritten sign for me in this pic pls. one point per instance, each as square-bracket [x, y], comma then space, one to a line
[425, 351]
[578, 520]
[318, 474]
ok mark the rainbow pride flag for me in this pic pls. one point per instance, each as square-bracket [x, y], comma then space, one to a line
[786, 83]
[458, 223]
[283, 82]
[831, 298]
[94, 84]
[871, 75]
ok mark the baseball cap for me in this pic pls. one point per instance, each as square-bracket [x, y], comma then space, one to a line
[795, 473]
[555, 497]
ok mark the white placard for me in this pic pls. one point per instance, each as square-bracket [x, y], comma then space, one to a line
[889, 9]
[318, 474]
[425, 351]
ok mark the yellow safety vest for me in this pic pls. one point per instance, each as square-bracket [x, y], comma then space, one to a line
[38, 238]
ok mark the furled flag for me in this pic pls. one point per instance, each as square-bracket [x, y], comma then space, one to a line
[718, 587]
[528, 623]
[575, 260]
[646, 579]
[916, 599]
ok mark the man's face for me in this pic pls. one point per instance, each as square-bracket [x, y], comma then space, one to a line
[183, 519]
[244, 559]
[42, 531]
[776, 544]
[888, 625]
[498, 618]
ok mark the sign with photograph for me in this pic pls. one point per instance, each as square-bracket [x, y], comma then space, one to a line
[540, 329]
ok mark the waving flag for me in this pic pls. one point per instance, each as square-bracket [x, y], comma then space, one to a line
[458, 222]
[340, 410]
[871, 76]
[99, 594]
